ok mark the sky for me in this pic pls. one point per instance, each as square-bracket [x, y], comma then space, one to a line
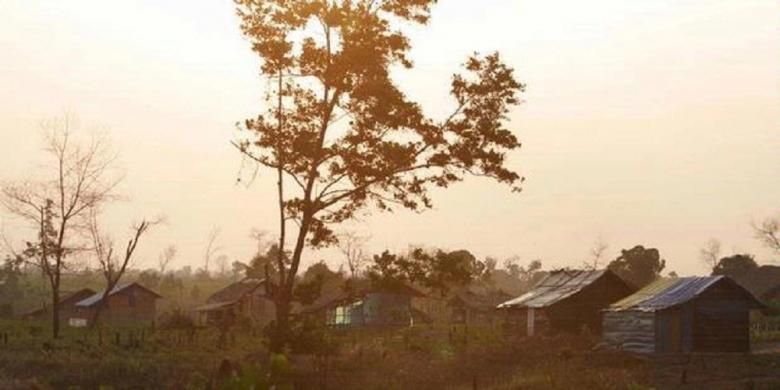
[653, 123]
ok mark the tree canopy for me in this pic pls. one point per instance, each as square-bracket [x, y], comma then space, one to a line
[343, 134]
[638, 265]
[735, 265]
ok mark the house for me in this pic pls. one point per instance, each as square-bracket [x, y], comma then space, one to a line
[129, 303]
[692, 314]
[67, 306]
[242, 300]
[369, 306]
[475, 306]
[566, 300]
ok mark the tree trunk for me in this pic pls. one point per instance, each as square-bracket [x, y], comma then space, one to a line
[280, 335]
[99, 308]
[55, 311]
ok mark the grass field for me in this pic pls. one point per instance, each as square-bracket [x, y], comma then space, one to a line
[415, 358]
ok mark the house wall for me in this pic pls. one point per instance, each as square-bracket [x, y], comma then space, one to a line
[629, 330]
[584, 308]
[721, 320]
[674, 329]
[130, 306]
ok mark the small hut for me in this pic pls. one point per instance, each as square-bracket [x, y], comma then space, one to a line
[682, 315]
[368, 306]
[126, 304]
[67, 306]
[566, 300]
[475, 306]
[243, 300]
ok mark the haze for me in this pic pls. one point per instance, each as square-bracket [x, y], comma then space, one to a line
[653, 123]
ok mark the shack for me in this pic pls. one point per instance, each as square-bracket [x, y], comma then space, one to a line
[682, 315]
[126, 304]
[475, 306]
[566, 300]
[368, 306]
[67, 306]
[245, 300]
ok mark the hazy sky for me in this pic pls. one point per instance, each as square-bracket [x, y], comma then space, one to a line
[645, 122]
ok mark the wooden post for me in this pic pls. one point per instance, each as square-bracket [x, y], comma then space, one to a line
[531, 320]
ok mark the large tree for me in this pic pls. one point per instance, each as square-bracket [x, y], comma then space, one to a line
[80, 177]
[339, 133]
[735, 266]
[638, 265]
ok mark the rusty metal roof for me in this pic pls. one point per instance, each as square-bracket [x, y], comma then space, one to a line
[214, 306]
[556, 286]
[235, 291]
[666, 293]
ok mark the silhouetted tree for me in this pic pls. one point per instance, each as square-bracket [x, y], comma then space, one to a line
[352, 246]
[149, 278]
[10, 288]
[735, 266]
[165, 258]
[438, 270]
[212, 248]
[597, 254]
[638, 265]
[710, 254]
[112, 266]
[344, 135]
[768, 232]
[57, 207]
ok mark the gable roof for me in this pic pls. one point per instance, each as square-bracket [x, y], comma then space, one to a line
[666, 293]
[479, 300]
[235, 291]
[555, 287]
[67, 299]
[95, 298]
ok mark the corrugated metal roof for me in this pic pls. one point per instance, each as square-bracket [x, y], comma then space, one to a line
[97, 296]
[235, 291]
[557, 286]
[214, 306]
[665, 293]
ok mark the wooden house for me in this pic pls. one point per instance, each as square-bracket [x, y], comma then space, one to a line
[67, 306]
[126, 304]
[475, 306]
[566, 300]
[368, 306]
[682, 315]
[243, 300]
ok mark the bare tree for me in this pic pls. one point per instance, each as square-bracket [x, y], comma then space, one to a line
[111, 266]
[222, 265]
[768, 232]
[262, 242]
[352, 246]
[211, 248]
[597, 254]
[165, 258]
[57, 206]
[710, 254]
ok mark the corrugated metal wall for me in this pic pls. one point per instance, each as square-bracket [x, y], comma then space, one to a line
[630, 330]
